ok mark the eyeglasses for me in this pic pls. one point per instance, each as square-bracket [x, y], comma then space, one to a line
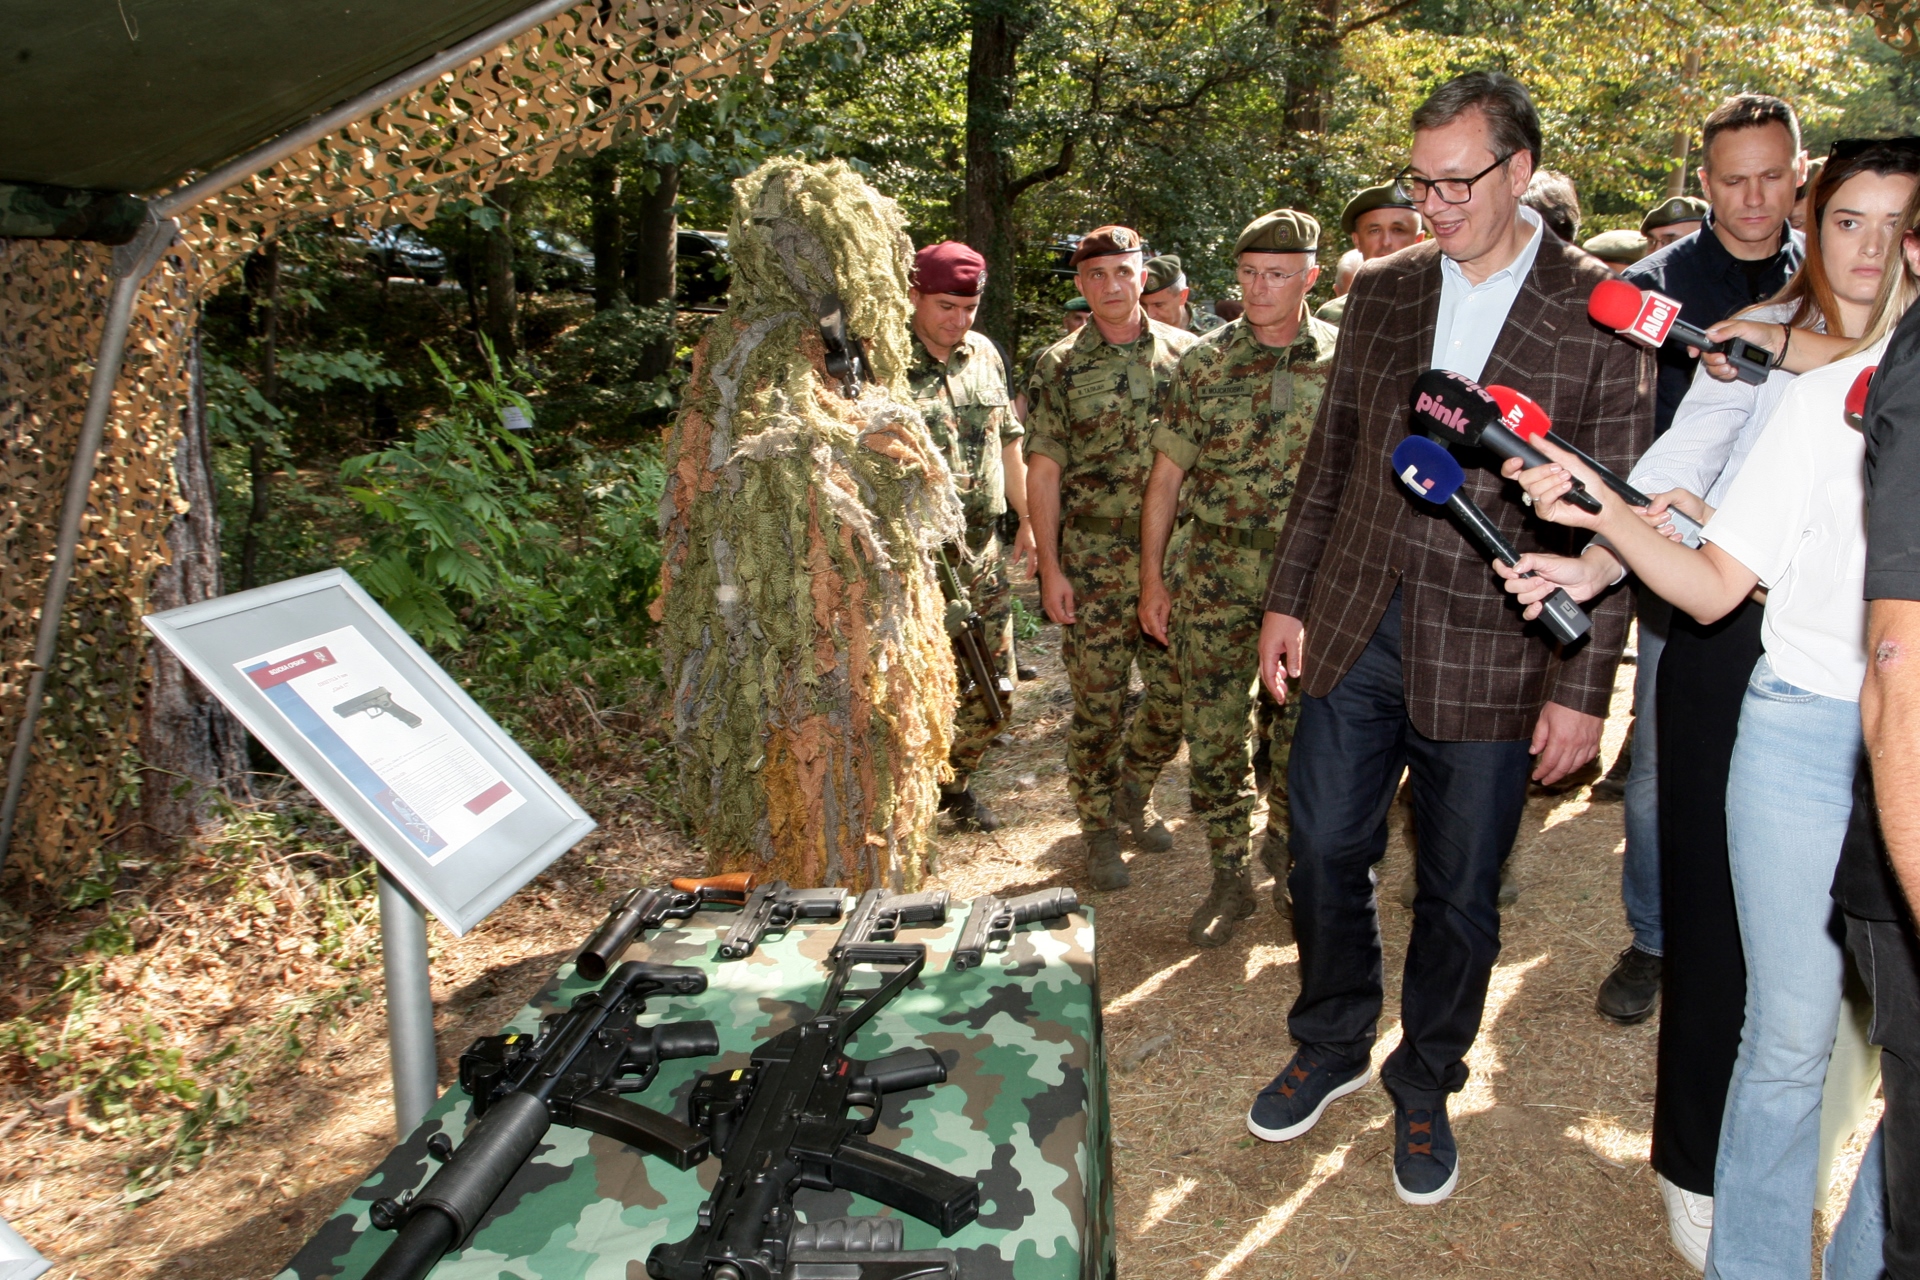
[1271, 279]
[1413, 189]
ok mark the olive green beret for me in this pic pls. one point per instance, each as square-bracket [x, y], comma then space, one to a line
[1624, 247]
[1076, 304]
[1163, 272]
[1672, 210]
[1282, 231]
[1384, 196]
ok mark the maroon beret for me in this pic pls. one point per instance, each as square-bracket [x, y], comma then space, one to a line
[1104, 241]
[950, 267]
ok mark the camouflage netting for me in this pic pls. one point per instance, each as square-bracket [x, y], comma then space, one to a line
[803, 632]
[574, 84]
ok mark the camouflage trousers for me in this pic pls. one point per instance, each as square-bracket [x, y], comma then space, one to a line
[1099, 651]
[992, 594]
[1217, 590]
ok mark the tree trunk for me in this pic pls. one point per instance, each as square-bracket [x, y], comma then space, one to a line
[656, 245]
[603, 192]
[1683, 138]
[189, 746]
[989, 198]
[503, 304]
[1316, 66]
[259, 457]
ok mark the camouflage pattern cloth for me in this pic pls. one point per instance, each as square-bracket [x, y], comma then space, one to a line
[1094, 410]
[1237, 422]
[970, 416]
[1201, 323]
[1023, 1109]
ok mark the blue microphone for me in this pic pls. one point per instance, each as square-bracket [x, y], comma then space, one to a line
[1434, 476]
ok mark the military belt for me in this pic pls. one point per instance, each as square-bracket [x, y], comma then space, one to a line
[1118, 526]
[1256, 539]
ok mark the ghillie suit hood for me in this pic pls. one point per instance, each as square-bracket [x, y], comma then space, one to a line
[803, 631]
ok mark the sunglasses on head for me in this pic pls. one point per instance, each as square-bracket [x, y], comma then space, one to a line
[1845, 149]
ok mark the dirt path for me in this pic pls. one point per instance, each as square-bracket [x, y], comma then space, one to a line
[1553, 1126]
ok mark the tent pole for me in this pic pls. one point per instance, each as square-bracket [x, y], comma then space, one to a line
[131, 263]
[270, 153]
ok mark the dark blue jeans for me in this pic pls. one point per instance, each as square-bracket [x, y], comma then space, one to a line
[1348, 754]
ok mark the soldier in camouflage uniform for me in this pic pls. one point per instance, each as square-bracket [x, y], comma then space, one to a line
[960, 386]
[1165, 297]
[1097, 397]
[1236, 427]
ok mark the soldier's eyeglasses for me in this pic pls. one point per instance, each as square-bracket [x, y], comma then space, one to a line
[1413, 189]
[1271, 279]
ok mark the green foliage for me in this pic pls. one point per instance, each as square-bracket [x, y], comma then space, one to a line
[596, 380]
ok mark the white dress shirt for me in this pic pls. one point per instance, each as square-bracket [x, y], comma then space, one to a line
[1715, 427]
[1472, 315]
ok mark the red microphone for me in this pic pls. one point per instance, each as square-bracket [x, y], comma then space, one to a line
[1526, 419]
[1857, 398]
[1652, 319]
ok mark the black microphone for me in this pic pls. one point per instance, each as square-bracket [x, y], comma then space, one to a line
[1435, 476]
[1454, 409]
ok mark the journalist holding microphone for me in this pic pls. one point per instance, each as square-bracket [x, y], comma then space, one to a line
[1792, 522]
[1385, 620]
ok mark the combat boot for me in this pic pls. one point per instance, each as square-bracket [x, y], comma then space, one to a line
[1277, 857]
[1104, 866]
[967, 812]
[1230, 902]
[1134, 806]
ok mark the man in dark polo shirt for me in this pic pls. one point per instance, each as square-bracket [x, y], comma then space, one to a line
[1878, 883]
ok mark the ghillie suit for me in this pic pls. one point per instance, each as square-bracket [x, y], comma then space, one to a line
[803, 633]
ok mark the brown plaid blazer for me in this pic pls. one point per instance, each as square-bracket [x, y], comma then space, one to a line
[1474, 671]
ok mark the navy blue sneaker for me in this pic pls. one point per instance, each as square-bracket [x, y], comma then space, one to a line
[1298, 1096]
[1426, 1163]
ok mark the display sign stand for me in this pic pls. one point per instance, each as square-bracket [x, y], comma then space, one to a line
[455, 813]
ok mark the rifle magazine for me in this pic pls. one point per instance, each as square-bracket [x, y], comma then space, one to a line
[612, 1116]
[901, 1182]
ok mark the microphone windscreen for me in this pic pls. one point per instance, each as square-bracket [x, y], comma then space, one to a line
[1521, 412]
[1433, 474]
[1614, 303]
[1857, 397]
[1451, 406]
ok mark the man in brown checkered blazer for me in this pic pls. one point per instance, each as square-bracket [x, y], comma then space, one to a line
[1407, 648]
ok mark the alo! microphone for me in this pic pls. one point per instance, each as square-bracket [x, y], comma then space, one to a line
[1856, 409]
[1454, 409]
[1651, 319]
[1435, 476]
[1530, 422]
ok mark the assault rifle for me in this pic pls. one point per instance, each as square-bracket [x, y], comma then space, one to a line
[773, 908]
[780, 1123]
[879, 916]
[376, 703]
[846, 355]
[968, 631]
[573, 1073]
[991, 922]
[645, 909]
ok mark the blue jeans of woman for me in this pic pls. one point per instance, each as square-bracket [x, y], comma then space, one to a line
[1788, 800]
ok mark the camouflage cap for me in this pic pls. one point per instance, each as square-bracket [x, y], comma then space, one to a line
[1672, 210]
[1282, 231]
[1624, 246]
[1385, 196]
[1103, 242]
[1163, 272]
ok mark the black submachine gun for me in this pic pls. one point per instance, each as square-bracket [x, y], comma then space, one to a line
[780, 1124]
[573, 1073]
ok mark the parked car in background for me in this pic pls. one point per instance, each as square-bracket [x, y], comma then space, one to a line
[702, 269]
[399, 251]
[556, 261]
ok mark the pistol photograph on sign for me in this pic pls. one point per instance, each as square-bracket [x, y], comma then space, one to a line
[378, 702]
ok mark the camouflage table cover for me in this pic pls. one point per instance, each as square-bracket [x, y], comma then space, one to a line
[1024, 1109]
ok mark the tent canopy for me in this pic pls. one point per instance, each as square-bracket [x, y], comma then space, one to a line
[133, 95]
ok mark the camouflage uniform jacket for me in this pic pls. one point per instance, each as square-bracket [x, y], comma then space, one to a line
[1093, 410]
[969, 413]
[1238, 420]
[1201, 323]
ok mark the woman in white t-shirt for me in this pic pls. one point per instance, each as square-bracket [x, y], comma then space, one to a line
[1792, 523]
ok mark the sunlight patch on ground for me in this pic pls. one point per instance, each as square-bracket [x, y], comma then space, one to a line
[1611, 1141]
[1276, 1219]
[1148, 988]
[1567, 810]
[1164, 1202]
[1263, 956]
[1484, 1060]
